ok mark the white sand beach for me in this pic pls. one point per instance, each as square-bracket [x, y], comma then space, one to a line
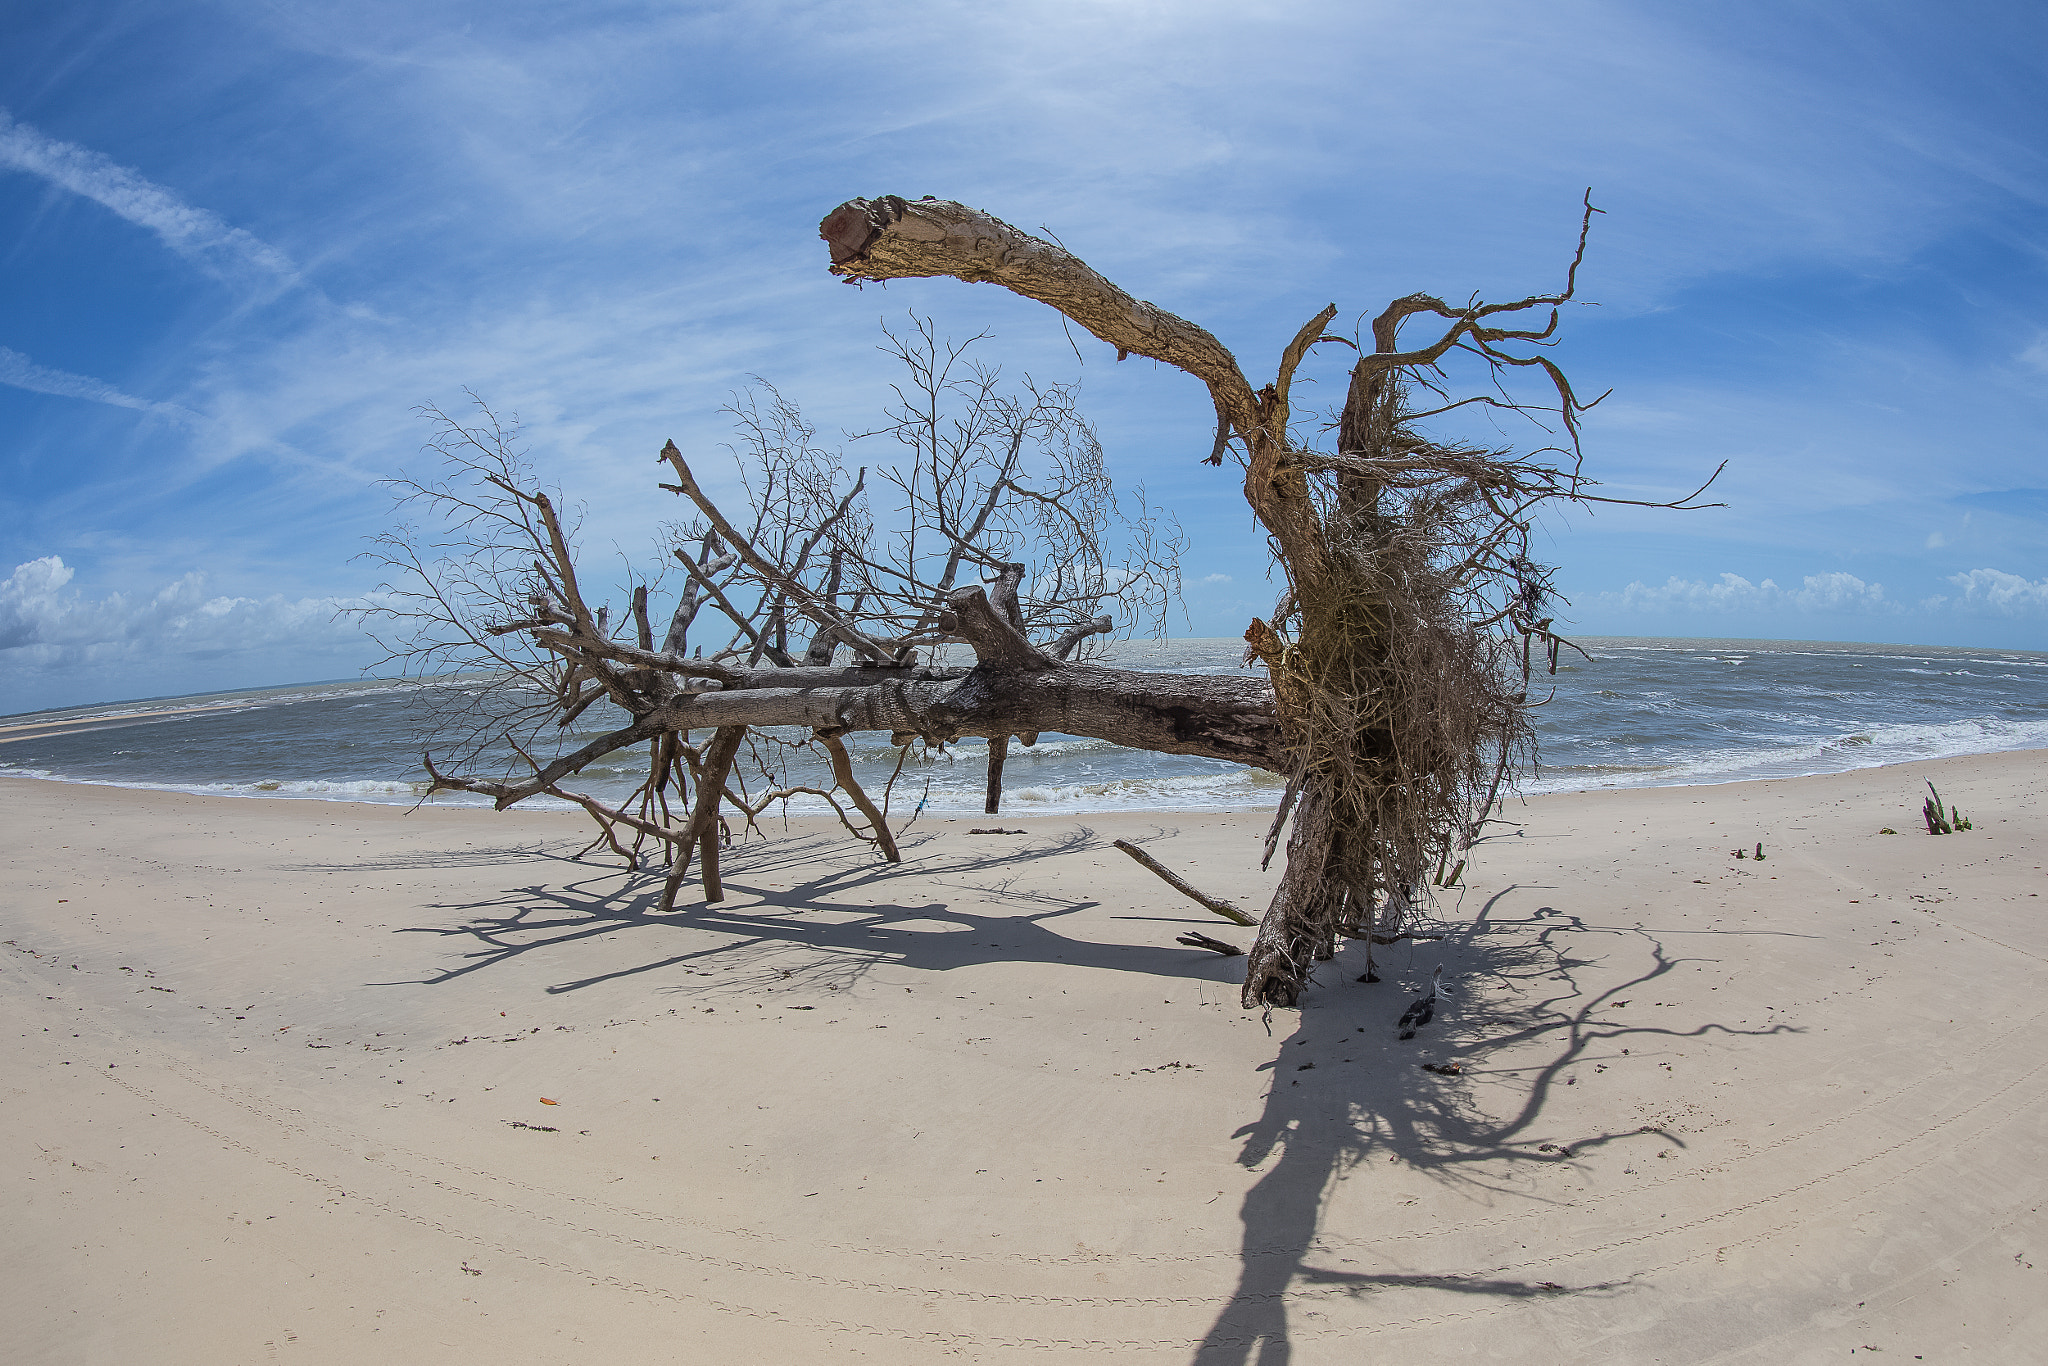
[320, 1082]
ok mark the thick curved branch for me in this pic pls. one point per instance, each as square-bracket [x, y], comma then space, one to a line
[997, 640]
[1291, 358]
[842, 774]
[1075, 634]
[891, 238]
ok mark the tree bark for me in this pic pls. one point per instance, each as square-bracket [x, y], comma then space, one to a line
[891, 238]
[1016, 690]
[998, 751]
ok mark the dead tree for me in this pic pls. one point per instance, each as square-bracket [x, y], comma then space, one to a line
[830, 616]
[1394, 688]
[1400, 650]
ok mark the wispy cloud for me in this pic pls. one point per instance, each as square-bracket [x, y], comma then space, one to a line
[519, 205]
[1832, 592]
[197, 234]
[22, 373]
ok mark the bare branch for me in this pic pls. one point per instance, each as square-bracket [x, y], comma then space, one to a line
[688, 486]
[1215, 905]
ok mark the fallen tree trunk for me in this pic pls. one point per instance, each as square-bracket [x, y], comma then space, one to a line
[1216, 718]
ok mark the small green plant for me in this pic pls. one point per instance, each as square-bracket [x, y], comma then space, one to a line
[1938, 824]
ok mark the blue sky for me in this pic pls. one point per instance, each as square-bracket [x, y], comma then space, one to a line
[240, 242]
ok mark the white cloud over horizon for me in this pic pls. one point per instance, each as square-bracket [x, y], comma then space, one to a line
[1994, 590]
[182, 638]
[1830, 592]
[1984, 593]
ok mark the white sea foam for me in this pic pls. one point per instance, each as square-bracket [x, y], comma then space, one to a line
[1231, 791]
[1879, 746]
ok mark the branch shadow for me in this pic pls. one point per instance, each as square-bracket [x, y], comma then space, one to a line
[828, 909]
[1345, 1091]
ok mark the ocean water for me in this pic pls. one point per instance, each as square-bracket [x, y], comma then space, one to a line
[1643, 712]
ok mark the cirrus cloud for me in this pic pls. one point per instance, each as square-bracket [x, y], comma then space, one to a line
[197, 234]
[22, 373]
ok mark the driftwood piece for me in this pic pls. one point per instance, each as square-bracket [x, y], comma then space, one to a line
[1195, 939]
[1930, 811]
[1214, 905]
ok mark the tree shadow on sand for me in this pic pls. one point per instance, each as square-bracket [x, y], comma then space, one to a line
[1325, 1119]
[807, 893]
[1344, 1091]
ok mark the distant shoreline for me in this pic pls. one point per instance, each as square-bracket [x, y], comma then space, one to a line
[1689, 641]
[39, 730]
